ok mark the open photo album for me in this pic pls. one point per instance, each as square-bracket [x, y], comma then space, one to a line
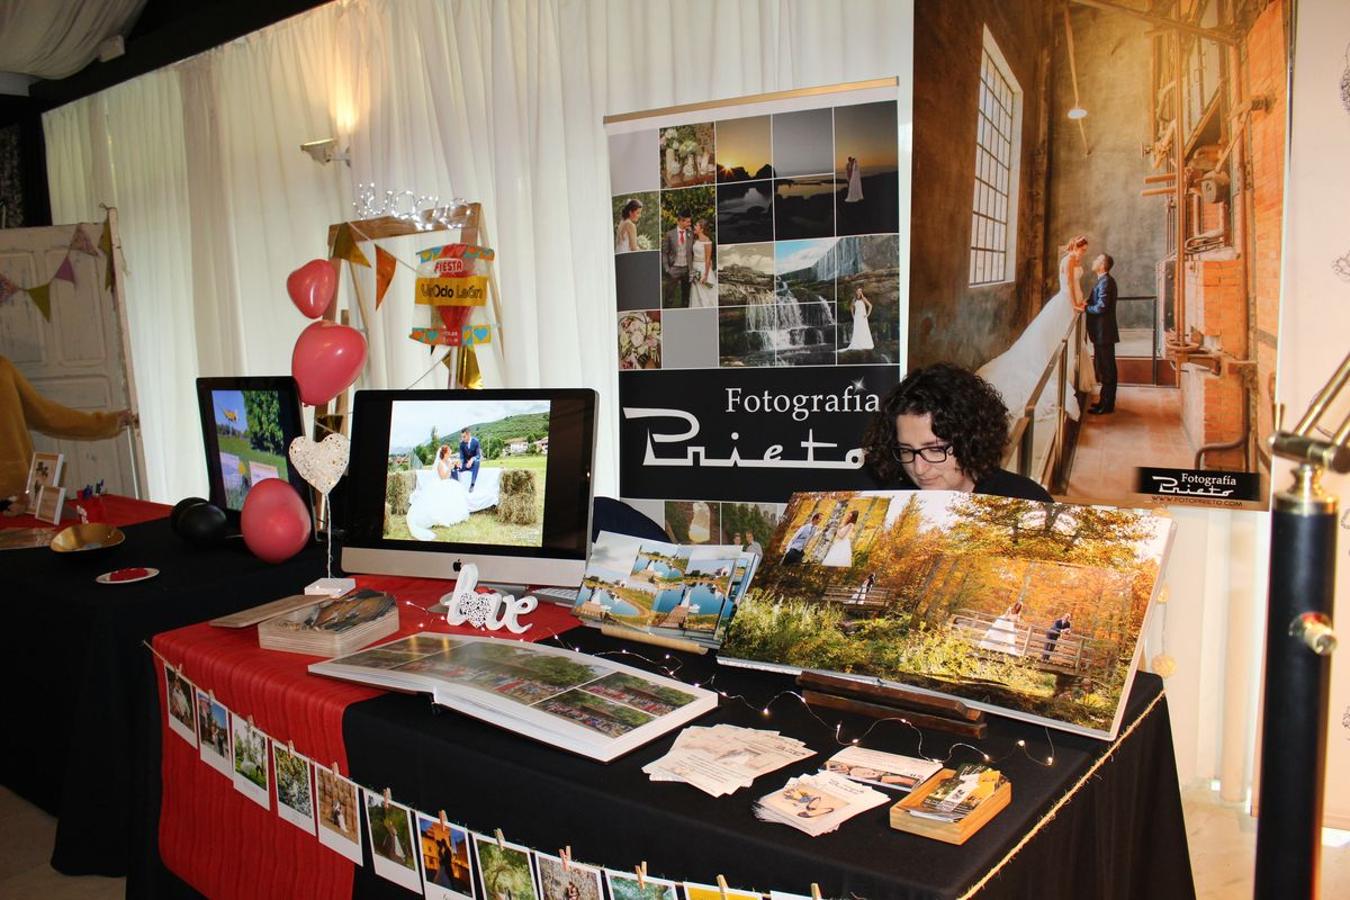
[579, 703]
[1026, 609]
[672, 590]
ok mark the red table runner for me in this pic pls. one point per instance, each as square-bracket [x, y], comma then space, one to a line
[215, 838]
[117, 510]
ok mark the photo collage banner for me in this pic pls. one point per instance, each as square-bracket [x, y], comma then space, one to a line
[426, 854]
[1108, 258]
[758, 263]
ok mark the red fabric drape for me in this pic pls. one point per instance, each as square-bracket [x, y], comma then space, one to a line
[215, 838]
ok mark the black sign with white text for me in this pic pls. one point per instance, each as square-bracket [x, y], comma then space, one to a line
[1199, 483]
[751, 435]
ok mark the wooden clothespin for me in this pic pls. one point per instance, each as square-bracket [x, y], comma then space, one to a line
[722, 886]
[642, 875]
[290, 747]
[211, 692]
[335, 769]
[501, 839]
[444, 822]
[815, 891]
[565, 854]
[388, 797]
[250, 722]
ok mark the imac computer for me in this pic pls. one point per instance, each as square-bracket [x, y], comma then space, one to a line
[498, 478]
[247, 428]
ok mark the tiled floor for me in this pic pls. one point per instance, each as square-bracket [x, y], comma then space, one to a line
[1222, 841]
[1145, 429]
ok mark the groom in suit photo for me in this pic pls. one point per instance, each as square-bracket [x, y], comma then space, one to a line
[1102, 331]
[470, 456]
[677, 255]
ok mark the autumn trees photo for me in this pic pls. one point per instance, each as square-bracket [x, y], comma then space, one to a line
[1033, 608]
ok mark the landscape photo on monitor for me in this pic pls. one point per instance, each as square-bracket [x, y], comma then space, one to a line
[1028, 609]
[467, 471]
[251, 441]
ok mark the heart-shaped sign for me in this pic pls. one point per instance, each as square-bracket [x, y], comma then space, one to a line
[322, 463]
[326, 360]
[312, 287]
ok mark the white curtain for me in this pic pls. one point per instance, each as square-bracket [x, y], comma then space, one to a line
[56, 38]
[498, 102]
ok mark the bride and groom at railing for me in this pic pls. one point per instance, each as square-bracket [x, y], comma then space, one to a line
[455, 486]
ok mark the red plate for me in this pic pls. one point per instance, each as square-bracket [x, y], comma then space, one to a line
[127, 576]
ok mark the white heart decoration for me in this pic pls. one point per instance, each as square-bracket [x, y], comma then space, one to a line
[322, 463]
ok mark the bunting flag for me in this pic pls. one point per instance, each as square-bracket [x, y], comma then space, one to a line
[66, 271]
[42, 299]
[80, 241]
[345, 247]
[105, 246]
[384, 273]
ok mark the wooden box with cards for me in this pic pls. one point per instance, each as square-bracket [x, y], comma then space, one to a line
[908, 815]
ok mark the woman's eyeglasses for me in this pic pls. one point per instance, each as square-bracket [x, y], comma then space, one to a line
[931, 455]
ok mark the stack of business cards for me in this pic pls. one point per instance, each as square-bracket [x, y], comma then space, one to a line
[961, 793]
[725, 758]
[888, 770]
[818, 804]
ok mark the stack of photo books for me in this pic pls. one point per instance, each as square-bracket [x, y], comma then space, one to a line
[818, 804]
[660, 590]
[888, 770]
[954, 804]
[573, 701]
[332, 627]
[725, 758]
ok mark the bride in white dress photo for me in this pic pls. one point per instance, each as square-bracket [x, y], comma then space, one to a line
[853, 175]
[703, 273]
[862, 329]
[1002, 635]
[442, 499]
[625, 235]
[1015, 372]
[840, 554]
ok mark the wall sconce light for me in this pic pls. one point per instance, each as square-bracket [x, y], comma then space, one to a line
[1077, 112]
[325, 151]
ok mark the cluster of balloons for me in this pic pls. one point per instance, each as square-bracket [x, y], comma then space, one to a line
[327, 356]
[326, 360]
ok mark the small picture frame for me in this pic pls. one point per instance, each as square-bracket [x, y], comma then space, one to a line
[48, 504]
[43, 470]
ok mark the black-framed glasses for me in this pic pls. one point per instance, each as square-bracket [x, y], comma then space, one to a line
[932, 455]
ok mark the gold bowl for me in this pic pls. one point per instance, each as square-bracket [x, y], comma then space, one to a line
[93, 536]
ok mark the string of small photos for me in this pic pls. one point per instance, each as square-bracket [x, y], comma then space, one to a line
[356, 854]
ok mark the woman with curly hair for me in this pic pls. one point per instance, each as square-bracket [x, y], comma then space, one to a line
[945, 428]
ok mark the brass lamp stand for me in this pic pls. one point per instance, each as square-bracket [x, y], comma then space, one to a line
[1299, 643]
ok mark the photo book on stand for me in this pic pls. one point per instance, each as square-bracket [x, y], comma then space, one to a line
[1025, 609]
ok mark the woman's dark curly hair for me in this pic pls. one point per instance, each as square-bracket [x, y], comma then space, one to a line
[967, 413]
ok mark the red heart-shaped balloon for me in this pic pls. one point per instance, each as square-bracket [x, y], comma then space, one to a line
[326, 360]
[274, 520]
[312, 287]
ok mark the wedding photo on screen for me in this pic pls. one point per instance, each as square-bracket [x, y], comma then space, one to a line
[251, 437]
[468, 471]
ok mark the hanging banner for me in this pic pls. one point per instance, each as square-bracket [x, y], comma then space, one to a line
[1035, 201]
[758, 251]
[453, 275]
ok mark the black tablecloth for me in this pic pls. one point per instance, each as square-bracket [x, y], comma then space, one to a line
[74, 666]
[1121, 835]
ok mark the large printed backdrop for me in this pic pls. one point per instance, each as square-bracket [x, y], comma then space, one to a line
[754, 346]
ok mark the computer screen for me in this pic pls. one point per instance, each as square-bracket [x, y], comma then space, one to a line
[501, 478]
[247, 427]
